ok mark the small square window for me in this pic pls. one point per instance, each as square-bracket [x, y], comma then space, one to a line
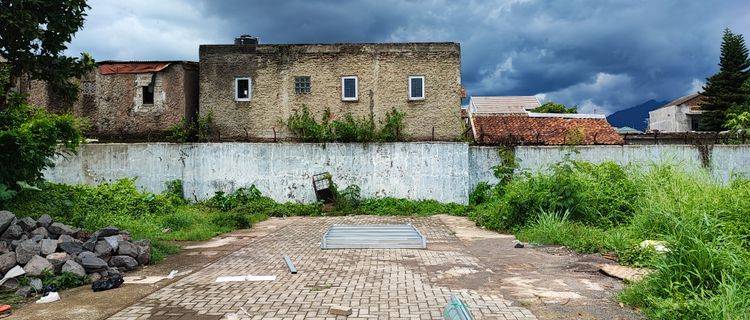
[416, 88]
[88, 87]
[148, 94]
[302, 85]
[242, 89]
[349, 88]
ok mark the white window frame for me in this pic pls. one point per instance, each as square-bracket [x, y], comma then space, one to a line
[356, 89]
[416, 98]
[249, 88]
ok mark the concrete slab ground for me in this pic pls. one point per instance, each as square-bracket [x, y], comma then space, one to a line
[483, 268]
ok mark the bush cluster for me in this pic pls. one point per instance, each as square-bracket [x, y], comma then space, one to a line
[303, 126]
[198, 130]
[610, 209]
[29, 138]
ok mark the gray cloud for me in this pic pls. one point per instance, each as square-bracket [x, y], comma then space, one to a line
[600, 55]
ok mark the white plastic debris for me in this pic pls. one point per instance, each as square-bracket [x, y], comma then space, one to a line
[658, 246]
[12, 273]
[172, 274]
[143, 279]
[245, 278]
[50, 297]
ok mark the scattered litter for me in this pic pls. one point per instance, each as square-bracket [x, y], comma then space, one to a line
[154, 279]
[658, 246]
[457, 309]
[231, 316]
[5, 310]
[624, 273]
[50, 297]
[12, 273]
[245, 278]
[143, 279]
[340, 310]
[290, 265]
[112, 282]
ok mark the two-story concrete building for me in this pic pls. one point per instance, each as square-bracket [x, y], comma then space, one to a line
[250, 88]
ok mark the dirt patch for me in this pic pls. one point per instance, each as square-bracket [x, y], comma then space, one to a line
[552, 282]
[83, 304]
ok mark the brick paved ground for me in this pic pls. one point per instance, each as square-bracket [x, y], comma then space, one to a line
[376, 284]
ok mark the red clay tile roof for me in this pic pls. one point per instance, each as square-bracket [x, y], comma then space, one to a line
[121, 68]
[522, 129]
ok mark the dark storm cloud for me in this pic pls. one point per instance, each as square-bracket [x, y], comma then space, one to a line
[603, 56]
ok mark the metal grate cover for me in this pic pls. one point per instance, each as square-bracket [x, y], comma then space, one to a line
[373, 236]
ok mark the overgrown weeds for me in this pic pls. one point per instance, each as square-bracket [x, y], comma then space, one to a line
[607, 208]
[303, 125]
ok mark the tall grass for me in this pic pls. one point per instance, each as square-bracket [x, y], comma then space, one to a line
[608, 208]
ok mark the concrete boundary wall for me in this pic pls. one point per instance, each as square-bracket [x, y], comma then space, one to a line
[282, 171]
[446, 172]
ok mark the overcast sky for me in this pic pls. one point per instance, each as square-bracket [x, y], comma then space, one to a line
[600, 55]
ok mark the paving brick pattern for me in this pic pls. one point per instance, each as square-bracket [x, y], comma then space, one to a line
[376, 284]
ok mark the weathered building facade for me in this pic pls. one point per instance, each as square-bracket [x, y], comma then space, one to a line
[680, 115]
[128, 99]
[250, 89]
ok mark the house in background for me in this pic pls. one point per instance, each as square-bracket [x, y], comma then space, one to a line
[128, 99]
[680, 115]
[250, 88]
[509, 120]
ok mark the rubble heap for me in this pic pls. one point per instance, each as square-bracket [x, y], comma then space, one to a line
[30, 246]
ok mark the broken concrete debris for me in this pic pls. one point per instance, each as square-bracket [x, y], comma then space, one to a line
[32, 247]
[624, 273]
[340, 311]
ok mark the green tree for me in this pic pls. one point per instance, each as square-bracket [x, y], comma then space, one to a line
[551, 107]
[33, 36]
[724, 89]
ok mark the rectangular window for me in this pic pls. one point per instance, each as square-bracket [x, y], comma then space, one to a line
[301, 85]
[416, 88]
[148, 94]
[349, 88]
[242, 89]
[695, 122]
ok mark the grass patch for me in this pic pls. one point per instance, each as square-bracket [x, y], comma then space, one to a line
[159, 217]
[610, 209]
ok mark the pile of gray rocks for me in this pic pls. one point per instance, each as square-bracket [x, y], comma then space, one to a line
[29, 247]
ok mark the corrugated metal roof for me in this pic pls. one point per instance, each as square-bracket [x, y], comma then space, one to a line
[373, 236]
[503, 104]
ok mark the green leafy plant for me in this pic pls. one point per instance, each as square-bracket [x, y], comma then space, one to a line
[303, 125]
[199, 130]
[33, 39]
[482, 193]
[551, 107]
[508, 164]
[29, 138]
[392, 127]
